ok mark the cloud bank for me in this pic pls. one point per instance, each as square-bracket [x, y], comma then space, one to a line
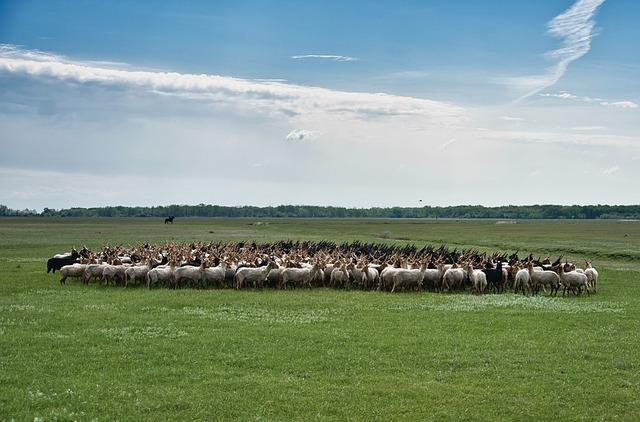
[375, 149]
[276, 97]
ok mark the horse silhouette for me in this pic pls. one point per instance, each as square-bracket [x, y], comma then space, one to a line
[169, 220]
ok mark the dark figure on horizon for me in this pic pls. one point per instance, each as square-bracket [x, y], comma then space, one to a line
[169, 220]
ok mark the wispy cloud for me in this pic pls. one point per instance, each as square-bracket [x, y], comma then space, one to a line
[270, 80]
[575, 27]
[559, 138]
[620, 104]
[588, 128]
[411, 74]
[511, 118]
[611, 171]
[333, 57]
[278, 97]
[301, 135]
[564, 95]
[447, 144]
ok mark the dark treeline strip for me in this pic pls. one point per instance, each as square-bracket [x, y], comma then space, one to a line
[8, 212]
[307, 211]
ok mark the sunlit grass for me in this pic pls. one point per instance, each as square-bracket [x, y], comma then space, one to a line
[93, 352]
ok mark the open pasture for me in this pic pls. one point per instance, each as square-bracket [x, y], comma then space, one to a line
[89, 352]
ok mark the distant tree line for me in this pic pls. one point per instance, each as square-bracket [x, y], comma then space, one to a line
[307, 211]
[8, 212]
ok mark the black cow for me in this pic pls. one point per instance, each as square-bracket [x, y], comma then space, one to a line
[494, 278]
[54, 263]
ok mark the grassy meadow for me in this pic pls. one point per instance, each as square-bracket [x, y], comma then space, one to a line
[105, 353]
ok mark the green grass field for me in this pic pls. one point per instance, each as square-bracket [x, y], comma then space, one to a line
[107, 353]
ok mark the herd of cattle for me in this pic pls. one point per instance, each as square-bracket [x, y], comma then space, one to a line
[291, 264]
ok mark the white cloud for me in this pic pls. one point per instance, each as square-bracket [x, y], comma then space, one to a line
[611, 170]
[301, 135]
[276, 97]
[620, 104]
[447, 144]
[564, 95]
[575, 27]
[270, 80]
[588, 128]
[559, 138]
[512, 119]
[332, 57]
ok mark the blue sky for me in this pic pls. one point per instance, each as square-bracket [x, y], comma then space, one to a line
[265, 102]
